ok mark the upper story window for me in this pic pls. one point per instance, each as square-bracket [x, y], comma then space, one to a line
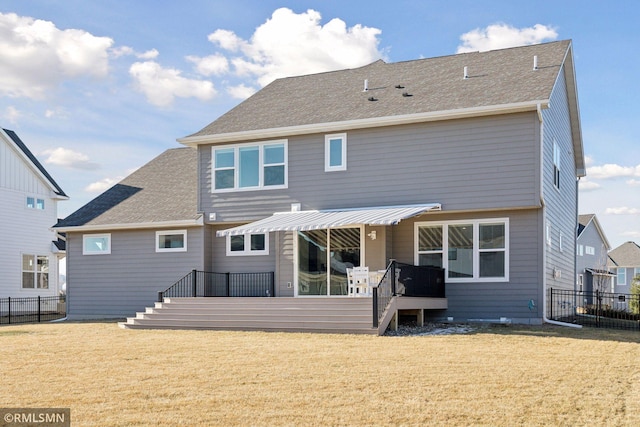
[470, 251]
[590, 250]
[335, 152]
[621, 276]
[248, 244]
[33, 203]
[580, 250]
[250, 167]
[556, 165]
[35, 272]
[171, 241]
[96, 244]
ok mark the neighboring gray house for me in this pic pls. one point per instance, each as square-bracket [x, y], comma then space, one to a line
[592, 271]
[625, 262]
[29, 197]
[468, 162]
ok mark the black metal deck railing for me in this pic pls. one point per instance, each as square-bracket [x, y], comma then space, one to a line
[596, 309]
[32, 309]
[406, 280]
[211, 284]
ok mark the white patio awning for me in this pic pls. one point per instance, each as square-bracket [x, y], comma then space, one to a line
[316, 220]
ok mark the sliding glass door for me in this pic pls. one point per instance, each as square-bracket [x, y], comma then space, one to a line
[323, 259]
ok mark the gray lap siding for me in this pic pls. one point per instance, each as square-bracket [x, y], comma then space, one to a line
[470, 164]
[127, 280]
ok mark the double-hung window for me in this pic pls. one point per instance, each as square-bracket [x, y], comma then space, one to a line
[469, 251]
[335, 152]
[248, 244]
[250, 167]
[621, 276]
[35, 272]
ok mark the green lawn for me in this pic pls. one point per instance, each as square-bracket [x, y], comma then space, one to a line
[494, 376]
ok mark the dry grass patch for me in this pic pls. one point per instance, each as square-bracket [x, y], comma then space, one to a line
[494, 376]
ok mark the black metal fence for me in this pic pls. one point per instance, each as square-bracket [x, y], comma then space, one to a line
[210, 284]
[409, 281]
[32, 309]
[595, 309]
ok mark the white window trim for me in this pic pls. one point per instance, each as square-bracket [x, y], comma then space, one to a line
[261, 166]
[560, 242]
[247, 248]
[35, 272]
[590, 250]
[476, 248]
[164, 233]
[556, 165]
[105, 252]
[624, 272]
[327, 152]
[549, 234]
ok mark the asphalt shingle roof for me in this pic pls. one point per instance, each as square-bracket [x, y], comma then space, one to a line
[626, 255]
[498, 77]
[165, 189]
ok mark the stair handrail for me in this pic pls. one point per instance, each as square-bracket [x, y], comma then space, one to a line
[384, 292]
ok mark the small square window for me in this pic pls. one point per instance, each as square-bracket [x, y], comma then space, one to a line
[31, 202]
[171, 241]
[96, 244]
[335, 152]
[40, 204]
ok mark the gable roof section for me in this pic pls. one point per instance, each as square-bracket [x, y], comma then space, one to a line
[626, 255]
[499, 81]
[12, 137]
[585, 220]
[161, 193]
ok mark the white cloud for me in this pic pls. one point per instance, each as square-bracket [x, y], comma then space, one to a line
[215, 64]
[68, 159]
[162, 85]
[56, 113]
[633, 182]
[119, 51]
[585, 185]
[35, 56]
[295, 44]
[613, 171]
[500, 36]
[12, 114]
[241, 91]
[102, 185]
[622, 211]
[634, 234]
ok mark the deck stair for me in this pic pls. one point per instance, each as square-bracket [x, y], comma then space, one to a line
[331, 315]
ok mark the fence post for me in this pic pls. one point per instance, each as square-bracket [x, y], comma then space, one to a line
[375, 307]
[550, 304]
[393, 277]
[273, 284]
[194, 282]
[226, 283]
[9, 299]
[38, 308]
[597, 307]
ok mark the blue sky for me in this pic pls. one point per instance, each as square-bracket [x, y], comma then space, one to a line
[98, 88]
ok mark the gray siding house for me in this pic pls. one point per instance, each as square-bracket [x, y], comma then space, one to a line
[466, 162]
[625, 261]
[592, 272]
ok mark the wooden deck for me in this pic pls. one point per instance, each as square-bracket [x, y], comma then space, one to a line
[314, 314]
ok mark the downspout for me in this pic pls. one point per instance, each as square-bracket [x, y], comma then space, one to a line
[545, 319]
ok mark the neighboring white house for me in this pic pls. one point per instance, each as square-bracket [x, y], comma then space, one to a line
[625, 261]
[29, 196]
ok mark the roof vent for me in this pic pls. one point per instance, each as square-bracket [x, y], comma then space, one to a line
[366, 85]
[535, 62]
[466, 73]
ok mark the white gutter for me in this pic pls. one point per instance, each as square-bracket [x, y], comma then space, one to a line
[140, 225]
[371, 122]
[545, 319]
